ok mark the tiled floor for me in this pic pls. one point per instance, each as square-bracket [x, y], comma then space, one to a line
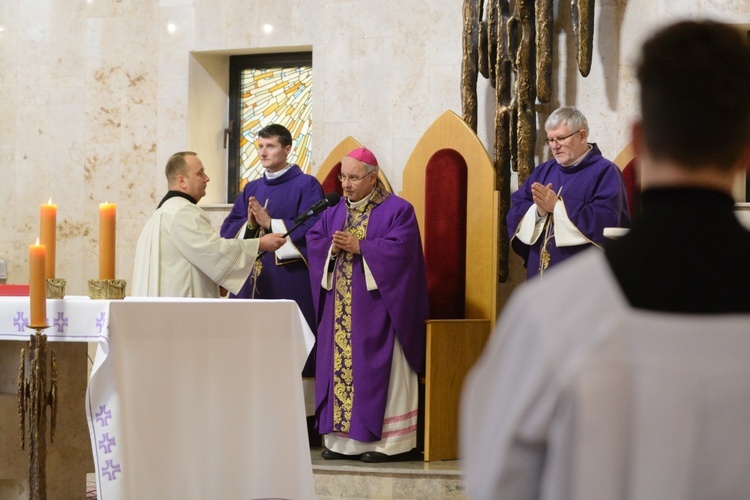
[91, 487]
[352, 479]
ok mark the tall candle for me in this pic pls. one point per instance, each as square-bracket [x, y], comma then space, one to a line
[107, 218]
[37, 285]
[47, 234]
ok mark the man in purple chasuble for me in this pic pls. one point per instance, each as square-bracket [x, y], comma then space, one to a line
[370, 291]
[270, 204]
[565, 204]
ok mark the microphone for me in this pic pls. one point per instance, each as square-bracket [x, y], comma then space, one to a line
[330, 200]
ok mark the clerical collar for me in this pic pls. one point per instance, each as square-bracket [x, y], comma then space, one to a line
[278, 173]
[360, 203]
[580, 158]
[176, 194]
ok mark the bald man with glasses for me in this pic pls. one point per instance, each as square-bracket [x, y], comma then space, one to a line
[565, 204]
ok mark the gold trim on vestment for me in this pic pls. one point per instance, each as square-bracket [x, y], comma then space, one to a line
[357, 220]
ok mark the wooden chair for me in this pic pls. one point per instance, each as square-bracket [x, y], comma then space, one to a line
[628, 165]
[450, 180]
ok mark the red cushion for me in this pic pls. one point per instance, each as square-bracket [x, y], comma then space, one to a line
[445, 233]
[630, 176]
[332, 184]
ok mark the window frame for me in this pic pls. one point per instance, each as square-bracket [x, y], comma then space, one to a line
[237, 64]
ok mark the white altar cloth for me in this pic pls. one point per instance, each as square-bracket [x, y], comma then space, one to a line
[188, 398]
[201, 399]
[72, 319]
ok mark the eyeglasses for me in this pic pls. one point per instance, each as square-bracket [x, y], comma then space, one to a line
[558, 140]
[353, 178]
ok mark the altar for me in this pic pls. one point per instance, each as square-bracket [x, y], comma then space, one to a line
[73, 324]
[189, 398]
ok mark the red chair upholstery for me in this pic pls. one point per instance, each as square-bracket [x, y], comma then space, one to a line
[445, 233]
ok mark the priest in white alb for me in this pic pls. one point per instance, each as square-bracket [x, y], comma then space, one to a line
[179, 253]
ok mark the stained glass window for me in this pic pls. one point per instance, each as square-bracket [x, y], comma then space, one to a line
[266, 89]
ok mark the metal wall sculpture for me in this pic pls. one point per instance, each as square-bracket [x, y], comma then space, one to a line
[510, 43]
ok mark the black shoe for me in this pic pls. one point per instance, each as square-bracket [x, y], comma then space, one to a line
[332, 455]
[375, 457]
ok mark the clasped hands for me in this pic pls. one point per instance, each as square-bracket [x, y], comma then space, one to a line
[343, 240]
[257, 215]
[544, 198]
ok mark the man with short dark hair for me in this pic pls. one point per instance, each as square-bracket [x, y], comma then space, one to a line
[179, 253]
[270, 204]
[633, 380]
[565, 204]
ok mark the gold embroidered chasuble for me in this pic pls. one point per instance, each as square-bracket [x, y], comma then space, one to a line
[358, 215]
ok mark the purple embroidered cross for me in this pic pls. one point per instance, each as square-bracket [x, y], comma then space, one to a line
[111, 470]
[104, 415]
[100, 322]
[20, 321]
[107, 443]
[60, 322]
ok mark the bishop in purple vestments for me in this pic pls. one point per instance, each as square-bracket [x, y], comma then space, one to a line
[565, 204]
[370, 292]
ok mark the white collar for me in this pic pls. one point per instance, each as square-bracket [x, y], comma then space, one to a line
[278, 173]
[363, 201]
[580, 158]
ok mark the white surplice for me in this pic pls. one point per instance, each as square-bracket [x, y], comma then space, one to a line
[588, 398]
[180, 254]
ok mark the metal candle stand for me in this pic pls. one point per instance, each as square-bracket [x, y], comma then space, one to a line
[56, 288]
[33, 399]
[107, 289]
[33, 396]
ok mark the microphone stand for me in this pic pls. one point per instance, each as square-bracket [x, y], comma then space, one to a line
[301, 219]
[260, 254]
[293, 228]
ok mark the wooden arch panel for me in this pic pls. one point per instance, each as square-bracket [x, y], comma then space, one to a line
[453, 345]
[450, 132]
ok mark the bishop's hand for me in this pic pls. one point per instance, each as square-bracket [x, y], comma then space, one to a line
[343, 240]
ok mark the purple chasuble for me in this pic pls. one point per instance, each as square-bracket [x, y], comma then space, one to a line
[392, 248]
[288, 195]
[594, 195]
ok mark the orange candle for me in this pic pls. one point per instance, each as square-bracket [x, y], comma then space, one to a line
[37, 285]
[107, 218]
[47, 234]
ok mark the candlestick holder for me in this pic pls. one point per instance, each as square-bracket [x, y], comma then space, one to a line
[107, 289]
[33, 400]
[56, 288]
